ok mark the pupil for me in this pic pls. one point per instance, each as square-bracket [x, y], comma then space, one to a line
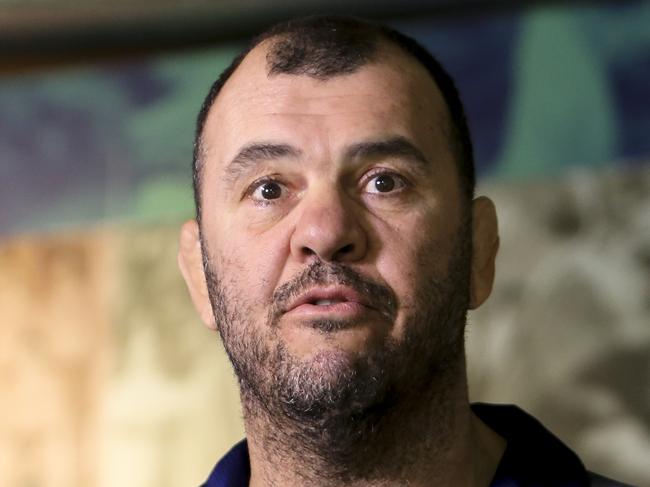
[384, 184]
[271, 191]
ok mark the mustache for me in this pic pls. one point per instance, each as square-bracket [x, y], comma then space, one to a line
[319, 273]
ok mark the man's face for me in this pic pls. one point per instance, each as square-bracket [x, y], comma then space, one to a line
[336, 243]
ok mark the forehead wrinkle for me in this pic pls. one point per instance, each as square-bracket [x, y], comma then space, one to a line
[252, 154]
[396, 146]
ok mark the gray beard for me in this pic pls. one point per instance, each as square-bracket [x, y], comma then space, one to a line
[338, 411]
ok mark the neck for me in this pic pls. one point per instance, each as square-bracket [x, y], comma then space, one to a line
[430, 438]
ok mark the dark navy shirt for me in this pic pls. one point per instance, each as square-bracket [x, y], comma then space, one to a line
[533, 456]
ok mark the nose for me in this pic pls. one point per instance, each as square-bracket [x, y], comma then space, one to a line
[328, 228]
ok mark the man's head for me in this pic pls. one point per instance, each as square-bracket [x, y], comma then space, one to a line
[326, 47]
[339, 247]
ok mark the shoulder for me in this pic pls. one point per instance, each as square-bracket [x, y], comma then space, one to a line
[534, 456]
[600, 481]
[233, 470]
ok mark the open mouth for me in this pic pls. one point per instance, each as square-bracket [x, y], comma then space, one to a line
[331, 300]
[327, 302]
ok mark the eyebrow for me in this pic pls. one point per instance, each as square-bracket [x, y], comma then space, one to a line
[397, 146]
[252, 154]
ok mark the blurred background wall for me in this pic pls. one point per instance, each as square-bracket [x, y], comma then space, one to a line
[107, 378]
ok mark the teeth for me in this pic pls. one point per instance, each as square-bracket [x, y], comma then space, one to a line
[324, 302]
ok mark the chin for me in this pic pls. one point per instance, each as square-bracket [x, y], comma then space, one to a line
[328, 381]
[331, 361]
[323, 341]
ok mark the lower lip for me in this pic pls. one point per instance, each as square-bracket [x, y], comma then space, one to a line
[343, 309]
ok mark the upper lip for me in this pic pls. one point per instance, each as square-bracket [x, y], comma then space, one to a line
[330, 293]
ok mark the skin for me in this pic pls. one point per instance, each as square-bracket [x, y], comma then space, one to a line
[330, 209]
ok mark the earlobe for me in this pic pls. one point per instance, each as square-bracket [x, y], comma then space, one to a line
[190, 263]
[485, 244]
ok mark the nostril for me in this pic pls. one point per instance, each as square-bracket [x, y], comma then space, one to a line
[346, 249]
[306, 251]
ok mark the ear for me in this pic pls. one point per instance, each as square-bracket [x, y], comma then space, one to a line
[190, 262]
[485, 244]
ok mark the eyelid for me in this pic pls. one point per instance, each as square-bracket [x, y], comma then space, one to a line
[381, 171]
[255, 185]
[251, 187]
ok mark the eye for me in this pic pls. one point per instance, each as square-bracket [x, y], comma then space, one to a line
[267, 190]
[384, 183]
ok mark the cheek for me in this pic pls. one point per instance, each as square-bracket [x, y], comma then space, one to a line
[412, 253]
[251, 263]
[399, 266]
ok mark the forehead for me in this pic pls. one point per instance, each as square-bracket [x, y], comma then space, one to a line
[392, 95]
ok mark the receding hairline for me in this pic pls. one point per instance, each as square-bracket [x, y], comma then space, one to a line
[386, 51]
[325, 47]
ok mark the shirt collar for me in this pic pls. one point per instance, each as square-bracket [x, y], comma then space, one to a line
[533, 456]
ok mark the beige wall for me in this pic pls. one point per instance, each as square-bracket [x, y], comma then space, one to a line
[106, 376]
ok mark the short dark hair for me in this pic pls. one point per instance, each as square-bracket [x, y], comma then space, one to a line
[323, 47]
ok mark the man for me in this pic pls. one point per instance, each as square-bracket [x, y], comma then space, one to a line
[337, 248]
